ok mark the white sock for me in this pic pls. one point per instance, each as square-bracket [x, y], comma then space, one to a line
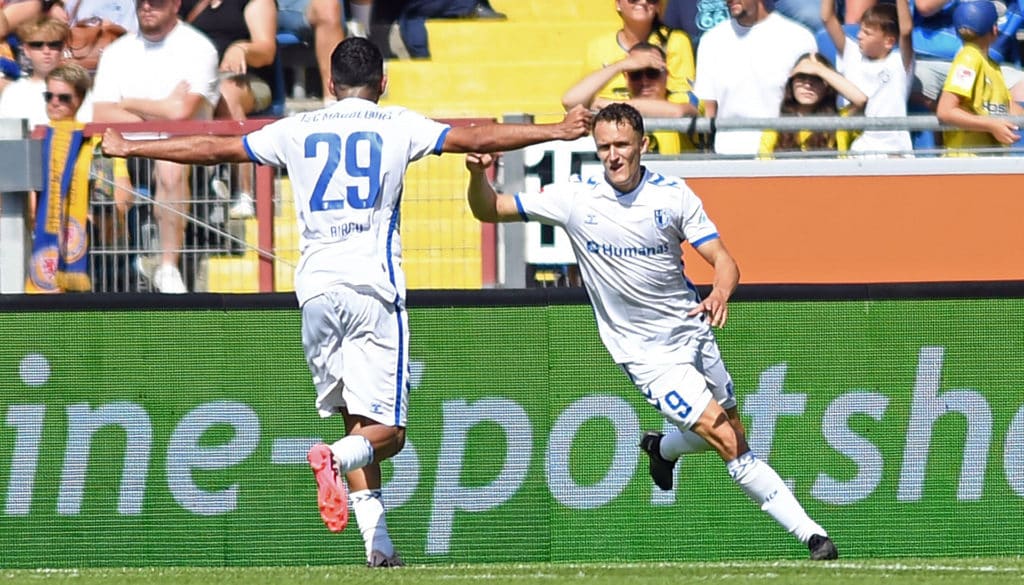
[361, 14]
[351, 453]
[678, 443]
[370, 516]
[765, 487]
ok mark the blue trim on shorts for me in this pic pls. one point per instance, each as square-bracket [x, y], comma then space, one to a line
[399, 380]
[439, 146]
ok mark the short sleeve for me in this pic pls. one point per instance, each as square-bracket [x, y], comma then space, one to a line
[963, 74]
[426, 136]
[265, 146]
[696, 226]
[553, 205]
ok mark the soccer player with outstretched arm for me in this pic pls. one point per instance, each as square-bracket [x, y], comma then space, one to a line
[347, 165]
[626, 230]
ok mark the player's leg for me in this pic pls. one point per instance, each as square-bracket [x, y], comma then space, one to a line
[357, 348]
[665, 449]
[365, 486]
[760, 482]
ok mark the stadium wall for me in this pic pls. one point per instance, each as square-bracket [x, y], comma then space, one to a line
[148, 430]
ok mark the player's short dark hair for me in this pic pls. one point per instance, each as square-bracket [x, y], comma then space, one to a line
[884, 16]
[620, 113]
[356, 62]
[646, 46]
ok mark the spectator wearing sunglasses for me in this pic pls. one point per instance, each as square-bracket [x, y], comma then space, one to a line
[646, 79]
[66, 88]
[641, 23]
[43, 42]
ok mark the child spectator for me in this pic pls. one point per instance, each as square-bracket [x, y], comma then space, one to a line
[974, 90]
[647, 80]
[812, 89]
[872, 65]
[43, 41]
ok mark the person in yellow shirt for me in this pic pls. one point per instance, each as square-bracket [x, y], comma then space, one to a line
[812, 89]
[975, 92]
[641, 23]
[644, 71]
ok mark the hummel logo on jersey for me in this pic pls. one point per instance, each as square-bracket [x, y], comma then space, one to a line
[376, 408]
[591, 219]
[662, 218]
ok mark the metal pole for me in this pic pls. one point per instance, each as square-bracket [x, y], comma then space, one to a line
[21, 173]
[512, 236]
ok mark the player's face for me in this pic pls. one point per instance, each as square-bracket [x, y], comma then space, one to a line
[156, 17]
[619, 147]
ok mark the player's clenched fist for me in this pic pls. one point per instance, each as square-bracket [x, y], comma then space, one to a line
[478, 163]
[577, 122]
[114, 144]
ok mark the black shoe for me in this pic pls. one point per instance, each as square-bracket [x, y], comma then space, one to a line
[660, 468]
[379, 560]
[822, 548]
[484, 10]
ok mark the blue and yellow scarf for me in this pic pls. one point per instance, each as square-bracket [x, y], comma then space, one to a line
[60, 243]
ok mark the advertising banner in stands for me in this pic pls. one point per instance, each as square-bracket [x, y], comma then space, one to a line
[178, 437]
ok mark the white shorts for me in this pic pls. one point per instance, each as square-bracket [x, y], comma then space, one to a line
[357, 349]
[682, 391]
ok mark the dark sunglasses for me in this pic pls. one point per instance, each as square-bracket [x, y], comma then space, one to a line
[645, 1]
[805, 78]
[64, 98]
[650, 73]
[55, 45]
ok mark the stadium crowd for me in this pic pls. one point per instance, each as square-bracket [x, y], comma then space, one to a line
[214, 59]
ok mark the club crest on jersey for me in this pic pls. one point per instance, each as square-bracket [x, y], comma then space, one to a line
[662, 218]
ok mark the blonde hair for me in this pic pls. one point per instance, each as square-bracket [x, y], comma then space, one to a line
[46, 27]
[74, 75]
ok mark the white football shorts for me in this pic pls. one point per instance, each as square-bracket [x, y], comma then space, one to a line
[682, 391]
[357, 348]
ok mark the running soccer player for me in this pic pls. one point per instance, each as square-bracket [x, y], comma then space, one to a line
[626, 231]
[347, 165]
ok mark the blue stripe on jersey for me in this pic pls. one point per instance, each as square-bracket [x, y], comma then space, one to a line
[706, 238]
[519, 206]
[248, 151]
[439, 147]
[400, 382]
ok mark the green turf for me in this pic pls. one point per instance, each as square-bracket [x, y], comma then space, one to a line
[991, 571]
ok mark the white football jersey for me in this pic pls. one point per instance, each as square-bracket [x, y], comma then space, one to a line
[628, 246]
[347, 167]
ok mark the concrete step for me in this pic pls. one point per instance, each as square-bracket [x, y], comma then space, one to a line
[493, 44]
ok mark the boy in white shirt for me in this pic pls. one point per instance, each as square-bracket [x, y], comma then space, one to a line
[876, 69]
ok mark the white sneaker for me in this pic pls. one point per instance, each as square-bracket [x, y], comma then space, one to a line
[244, 208]
[167, 280]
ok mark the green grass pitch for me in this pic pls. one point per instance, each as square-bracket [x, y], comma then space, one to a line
[947, 571]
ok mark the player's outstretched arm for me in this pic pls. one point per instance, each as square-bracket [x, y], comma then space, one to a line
[486, 204]
[499, 137]
[199, 149]
[727, 276]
